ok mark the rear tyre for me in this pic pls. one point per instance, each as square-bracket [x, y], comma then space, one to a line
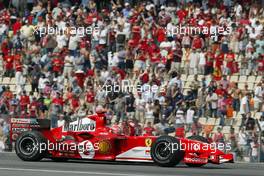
[166, 151]
[200, 139]
[28, 144]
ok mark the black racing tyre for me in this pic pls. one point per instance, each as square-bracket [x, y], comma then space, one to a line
[59, 159]
[28, 144]
[201, 139]
[163, 154]
[198, 138]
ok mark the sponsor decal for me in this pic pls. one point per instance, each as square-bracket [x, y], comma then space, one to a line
[80, 125]
[86, 149]
[23, 121]
[195, 160]
[104, 146]
[148, 142]
[147, 152]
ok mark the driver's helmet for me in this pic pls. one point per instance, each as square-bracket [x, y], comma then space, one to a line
[100, 109]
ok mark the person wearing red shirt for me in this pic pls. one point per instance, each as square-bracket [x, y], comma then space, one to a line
[75, 103]
[220, 90]
[192, 20]
[57, 100]
[16, 26]
[144, 77]
[140, 60]
[9, 65]
[136, 36]
[148, 130]
[219, 136]
[131, 126]
[152, 47]
[90, 99]
[24, 101]
[116, 128]
[144, 44]
[230, 57]
[160, 34]
[209, 66]
[33, 108]
[90, 73]
[197, 43]
[57, 65]
[4, 47]
[261, 64]
[155, 59]
[219, 58]
[120, 72]
[181, 14]
[125, 128]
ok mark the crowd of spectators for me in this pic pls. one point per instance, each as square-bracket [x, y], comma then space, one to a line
[131, 42]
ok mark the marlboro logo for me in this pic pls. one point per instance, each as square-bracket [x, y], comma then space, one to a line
[80, 125]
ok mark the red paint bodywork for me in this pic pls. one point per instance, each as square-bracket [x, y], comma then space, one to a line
[121, 147]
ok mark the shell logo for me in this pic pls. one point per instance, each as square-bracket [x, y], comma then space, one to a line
[104, 146]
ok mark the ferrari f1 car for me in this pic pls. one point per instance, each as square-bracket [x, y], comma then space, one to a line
[90, 138]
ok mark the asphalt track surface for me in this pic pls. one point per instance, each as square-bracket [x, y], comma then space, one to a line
[11, 165]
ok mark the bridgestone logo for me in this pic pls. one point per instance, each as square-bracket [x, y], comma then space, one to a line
[80, 125]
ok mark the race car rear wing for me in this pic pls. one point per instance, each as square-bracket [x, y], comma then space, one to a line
[19, 125]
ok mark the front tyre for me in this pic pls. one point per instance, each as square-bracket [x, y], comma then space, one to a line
[28, 146]
[166, 151]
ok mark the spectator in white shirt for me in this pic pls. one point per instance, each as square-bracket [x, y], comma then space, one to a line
[194, 60]
[68, 65]
[61, 121]
[245, 106]
[212, 99]
[61, 40]
[258, 99]
[73, 44]
[180, 119]
[202, 62]
[140, 108]
[189, 118]
[242, 142]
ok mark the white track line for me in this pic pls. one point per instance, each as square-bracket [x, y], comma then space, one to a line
[71, 172]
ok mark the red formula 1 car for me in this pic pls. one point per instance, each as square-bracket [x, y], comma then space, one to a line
[90, 138]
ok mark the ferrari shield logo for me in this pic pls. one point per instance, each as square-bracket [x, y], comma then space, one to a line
[148, 142]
